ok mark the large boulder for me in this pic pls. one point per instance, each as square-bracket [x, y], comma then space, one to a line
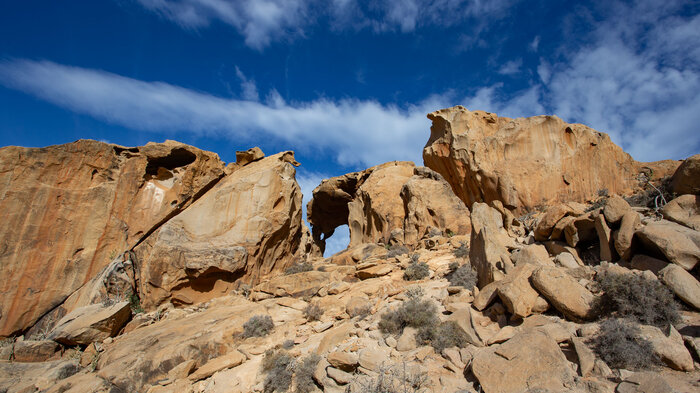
[488, 253]
[682, 283]
[387, 203]
[68, 209]
[248, 227]
[527, 162]
[684, 210]
[686, 179]
[530, 361]
[430, 203]
[673, 242]
[564, 293]
[89, 324]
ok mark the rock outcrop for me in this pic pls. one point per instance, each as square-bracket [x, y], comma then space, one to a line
[528, 162]
[68, 209]
[244, 229]
[686, 179]
[395, 201]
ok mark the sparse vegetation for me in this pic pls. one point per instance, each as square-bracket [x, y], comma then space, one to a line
[304, 373]
[281, 368]
[313, 312]
[462, 275]
[416, 271]
[448, 334]
[258, 326]
[135, 303]
[415, 312]
[619, 345]
[603, 192]
[396, 250]
[278, 366]
[462, 251]
[598, 204]
[390, 379]
[288, 344]
[361, 312]
[298, 268]
[634, 296]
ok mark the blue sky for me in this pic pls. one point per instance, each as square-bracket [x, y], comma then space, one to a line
[344, 83]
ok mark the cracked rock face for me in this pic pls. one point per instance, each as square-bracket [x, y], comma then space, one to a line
[69, 209]
[527, 162]
[245, 228]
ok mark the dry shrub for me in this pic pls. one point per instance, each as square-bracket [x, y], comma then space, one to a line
[396, 250]
[447, 335]
[462, 251]
[462, 276]
[298, 268]
[313, 312]
[390, 379]
[258, 326]
[415, 312]
[278, 366]
[634, 296]
[620, 345]
[416, 271]
[304, 373]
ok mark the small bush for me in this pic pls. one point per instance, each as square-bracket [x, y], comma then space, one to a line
[603, 192]
[390, 379]
[288, 344]
[278, 366]
[620, 345]
[396, 250]
[447, 335]
[361, 312]
[415, 312]
[598, 204]
[304, 374]
[462, 276]
[313, 312]
[416, 271]
[298, 268]
[258, 326]
[633, 296]
[462, 251]
[135, 303]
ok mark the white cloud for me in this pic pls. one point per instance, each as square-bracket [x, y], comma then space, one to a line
[249, 90]
[535, 44]
[356, 132]
[259, 21]
[511, 67]
[262, 22]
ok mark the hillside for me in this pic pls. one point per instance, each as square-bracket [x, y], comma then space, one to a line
[526, 254]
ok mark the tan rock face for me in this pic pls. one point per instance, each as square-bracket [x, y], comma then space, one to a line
[516, 366]
[673, 242]
[564, 293]
[374, 202]
[68, 208]
[247, 227]
[488, 253]
[682, 283]
[526, 162]
[686, 179]
[684, 210]
[89, 324]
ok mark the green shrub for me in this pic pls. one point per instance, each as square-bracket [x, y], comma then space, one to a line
[415, 312]
[135, 303]
[634, 296]
[298, 268]
[620, 345]
[313, 312]
[278, 366]
[396, 250]
[258, 326]
[447, 335]
[462, 251]
[304, 373]
[416, 271]
[462, 276]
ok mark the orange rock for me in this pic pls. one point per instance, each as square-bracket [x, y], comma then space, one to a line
[527, 162]
[68, 209]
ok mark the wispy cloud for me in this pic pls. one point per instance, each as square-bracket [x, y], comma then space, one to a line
[262, 22]
[356, 132]
[511, 67]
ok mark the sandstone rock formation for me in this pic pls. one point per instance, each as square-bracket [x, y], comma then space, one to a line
[527, 162]
[67, 209]
[686, 179]
[245, 228]
[394, 200]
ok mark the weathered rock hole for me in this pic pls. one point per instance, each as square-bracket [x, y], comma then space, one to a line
[178, 157]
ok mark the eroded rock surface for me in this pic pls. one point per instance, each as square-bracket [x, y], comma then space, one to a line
[68, 209]
[527, 162]
[245, 228]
